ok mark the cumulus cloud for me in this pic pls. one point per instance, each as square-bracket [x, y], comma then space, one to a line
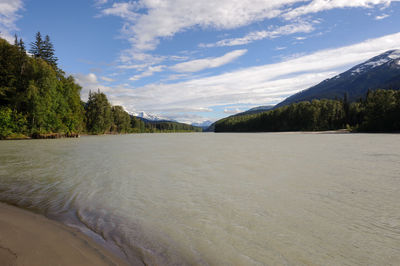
[299, 27]
[89, 82]
[8, 17]
[201, 64]
[261, 85]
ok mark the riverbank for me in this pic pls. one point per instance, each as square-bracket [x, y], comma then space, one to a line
[41, 136]
[30, 239]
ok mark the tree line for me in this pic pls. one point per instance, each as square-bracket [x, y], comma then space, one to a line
[38, 98]
[101, 118]
[379, 111]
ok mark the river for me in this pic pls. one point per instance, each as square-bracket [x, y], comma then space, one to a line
[218, 199]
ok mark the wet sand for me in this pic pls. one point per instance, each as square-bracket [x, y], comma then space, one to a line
[30, 239]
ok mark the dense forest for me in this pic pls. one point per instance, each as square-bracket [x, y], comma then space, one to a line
[38, 99]
[379, 111]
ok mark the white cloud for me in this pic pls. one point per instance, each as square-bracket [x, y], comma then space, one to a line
[232, 111]
[90, 78]
[149, 72]
[261, 85]
[322, 5]
[383, 16]
[304, 27]
[100, 2]
[201, 64]
[185, 67]
[89, 82]
[123, 10]
[138, 67]
[166, 18]
[8, 17]
[149, 21]
[107, 79]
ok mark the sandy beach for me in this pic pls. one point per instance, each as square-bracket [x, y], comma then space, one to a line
[30, 239]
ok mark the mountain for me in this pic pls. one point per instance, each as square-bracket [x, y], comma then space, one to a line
[380, 72]
[255, 110]
[150, 117]
[203, 125]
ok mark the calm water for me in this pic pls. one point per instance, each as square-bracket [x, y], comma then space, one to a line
[218, 199]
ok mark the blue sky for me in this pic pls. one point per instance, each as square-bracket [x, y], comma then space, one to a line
[194, 61]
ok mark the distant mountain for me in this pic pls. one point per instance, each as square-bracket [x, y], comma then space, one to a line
[203, 125]
[380, 72]
[149, 117]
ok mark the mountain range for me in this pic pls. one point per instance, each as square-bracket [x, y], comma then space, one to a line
[150, 117]
[379, 72]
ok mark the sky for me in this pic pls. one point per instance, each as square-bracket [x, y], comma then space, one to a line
[196, 61]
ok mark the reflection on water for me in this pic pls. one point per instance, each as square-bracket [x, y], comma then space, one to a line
[218, 199]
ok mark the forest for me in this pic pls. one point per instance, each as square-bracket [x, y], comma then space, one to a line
[379, 111]
[37, 99]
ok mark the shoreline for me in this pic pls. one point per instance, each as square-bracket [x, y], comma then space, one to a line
[27, 238]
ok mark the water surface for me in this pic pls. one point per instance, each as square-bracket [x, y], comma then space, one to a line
[218, 199]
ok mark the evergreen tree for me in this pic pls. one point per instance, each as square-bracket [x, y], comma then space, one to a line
[48, 52]
[35, 97]
[16, 40]
[346, 107]
[21, 45]
[37, 46]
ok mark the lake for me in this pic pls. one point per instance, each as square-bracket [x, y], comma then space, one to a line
[218, 199]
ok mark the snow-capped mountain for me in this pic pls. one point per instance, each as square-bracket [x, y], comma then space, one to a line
[380, 72]
[204, 124]
[150, 117]
[393, 55]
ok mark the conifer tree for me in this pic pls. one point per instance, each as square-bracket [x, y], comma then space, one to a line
[15, 40]
[21, 45]
[37, 46]
[48, 51]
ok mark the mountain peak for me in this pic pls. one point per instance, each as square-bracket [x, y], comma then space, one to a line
[148, 116]
[377, 61]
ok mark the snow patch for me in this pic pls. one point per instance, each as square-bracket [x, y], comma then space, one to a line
[377, 63]
[383, 59]
[395, 55]
[149, 116]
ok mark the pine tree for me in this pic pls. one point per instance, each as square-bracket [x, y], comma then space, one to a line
[37, 46]
[21, 45]
[48, 51]
[15, 40]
